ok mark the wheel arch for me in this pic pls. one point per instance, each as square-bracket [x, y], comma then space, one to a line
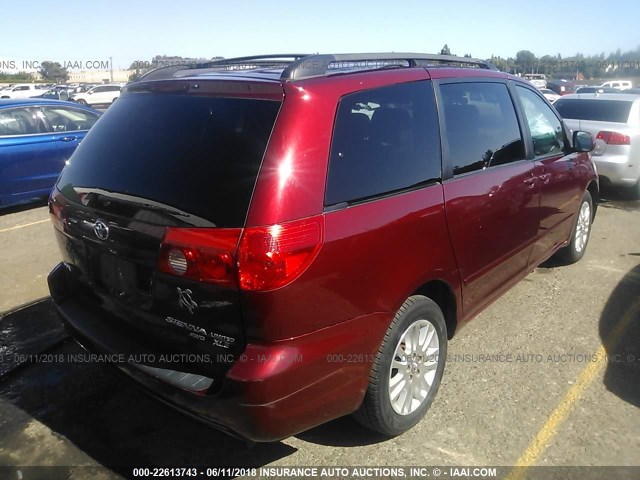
[441, 292]
[594, 189]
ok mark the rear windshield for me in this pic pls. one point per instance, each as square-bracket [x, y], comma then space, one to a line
[599, 110]
[198, 154]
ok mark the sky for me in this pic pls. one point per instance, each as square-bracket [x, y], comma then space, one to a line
[80, 31]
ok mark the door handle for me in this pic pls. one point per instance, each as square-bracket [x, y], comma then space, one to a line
[70, 138]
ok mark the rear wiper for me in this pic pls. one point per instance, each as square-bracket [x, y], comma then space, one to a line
[148, 204]
[169, 211]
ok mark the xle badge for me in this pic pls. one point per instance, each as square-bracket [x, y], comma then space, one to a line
[185, 300]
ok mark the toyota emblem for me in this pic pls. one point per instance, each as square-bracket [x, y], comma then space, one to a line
[101, 230]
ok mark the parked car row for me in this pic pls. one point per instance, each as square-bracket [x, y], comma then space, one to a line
[98, 95]
[85, 94]
[22, 90]
[566, 87]
[597, 89]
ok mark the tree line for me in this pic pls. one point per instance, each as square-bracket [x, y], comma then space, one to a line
[49, 71]
[618, 64]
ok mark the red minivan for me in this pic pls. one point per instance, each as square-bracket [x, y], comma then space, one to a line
[269, 243]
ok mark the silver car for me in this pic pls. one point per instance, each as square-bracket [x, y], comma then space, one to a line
[614, 121]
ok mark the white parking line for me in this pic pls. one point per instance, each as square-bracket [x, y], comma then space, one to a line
[23, 226]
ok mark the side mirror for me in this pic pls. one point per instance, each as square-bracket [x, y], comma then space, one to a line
[582, 141]
[89, 92]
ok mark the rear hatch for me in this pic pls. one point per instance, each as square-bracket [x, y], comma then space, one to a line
[165, 177]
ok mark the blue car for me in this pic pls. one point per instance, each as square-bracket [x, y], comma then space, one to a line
[37, 137]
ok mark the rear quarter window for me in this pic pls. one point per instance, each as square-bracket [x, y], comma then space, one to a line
[385, 140]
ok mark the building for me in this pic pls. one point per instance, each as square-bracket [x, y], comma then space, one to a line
[98, 76]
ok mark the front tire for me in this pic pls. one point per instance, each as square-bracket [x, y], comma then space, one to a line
[581, 231]
[407, 370]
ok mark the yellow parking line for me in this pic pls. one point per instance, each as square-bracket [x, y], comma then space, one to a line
[22, 226]
[561, 412]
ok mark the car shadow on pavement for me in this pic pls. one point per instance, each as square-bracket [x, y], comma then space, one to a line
[620, 333]
[622, 199]
[342, 432]
[103, 414]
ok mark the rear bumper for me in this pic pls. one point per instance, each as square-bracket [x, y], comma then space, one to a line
[272, 391]
[619, 170]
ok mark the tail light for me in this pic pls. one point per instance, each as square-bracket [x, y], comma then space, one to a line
[266, 257]
[201, 254]
[614, 138]
[270, 257]
[55, 213]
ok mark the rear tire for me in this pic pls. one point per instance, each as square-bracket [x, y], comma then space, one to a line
[407, 370]
[82, 102]
[581, 232]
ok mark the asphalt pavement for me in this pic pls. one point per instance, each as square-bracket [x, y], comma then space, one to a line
[549, 375]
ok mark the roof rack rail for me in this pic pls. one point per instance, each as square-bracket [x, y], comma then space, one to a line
[319, 65]
[299, 66]
[171, 71]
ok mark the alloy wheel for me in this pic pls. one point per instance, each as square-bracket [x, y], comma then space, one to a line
[582, 227]
[413, 368]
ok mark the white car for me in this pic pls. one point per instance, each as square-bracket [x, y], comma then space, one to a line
[22, 90]
[538, 80]
[613, 119]
[549, 94]
[619, 84]
[100, 95]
